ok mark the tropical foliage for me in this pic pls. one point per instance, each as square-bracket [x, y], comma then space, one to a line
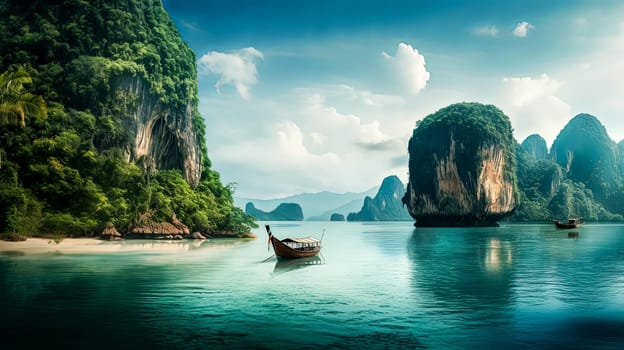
[63, 163]
[15, 101]
[580, 177]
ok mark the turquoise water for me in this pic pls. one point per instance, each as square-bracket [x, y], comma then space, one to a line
[379, 285]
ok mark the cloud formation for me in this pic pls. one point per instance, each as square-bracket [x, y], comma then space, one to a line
[237, 69]
[305, 144]
[533, 105]
[368, 98]
[410, 65]
[522, 29]
[487, 31]
[525, 90]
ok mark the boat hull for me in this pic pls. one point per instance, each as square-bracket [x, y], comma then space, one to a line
[285, 252]
[566, 225]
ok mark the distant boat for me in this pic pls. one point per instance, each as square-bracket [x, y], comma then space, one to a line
[292, 248]
[572, 223]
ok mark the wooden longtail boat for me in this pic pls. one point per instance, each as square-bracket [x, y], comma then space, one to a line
[572, 223]
[292, 248]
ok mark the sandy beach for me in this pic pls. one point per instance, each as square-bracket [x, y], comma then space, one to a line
[95, 246]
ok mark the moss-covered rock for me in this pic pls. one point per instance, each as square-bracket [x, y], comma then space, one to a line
[462, 167]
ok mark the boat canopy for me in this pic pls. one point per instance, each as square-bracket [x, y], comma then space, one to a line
[302, 240]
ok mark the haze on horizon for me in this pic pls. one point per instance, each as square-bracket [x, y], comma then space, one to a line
[311, 96]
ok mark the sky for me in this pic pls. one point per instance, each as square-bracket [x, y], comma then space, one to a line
[310, 96]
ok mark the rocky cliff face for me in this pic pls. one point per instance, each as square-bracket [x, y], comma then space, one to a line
[161, 134]
[462, 167]
[386, 206]
[535, 145]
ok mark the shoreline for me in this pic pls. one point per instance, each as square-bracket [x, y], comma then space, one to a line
[97, 246]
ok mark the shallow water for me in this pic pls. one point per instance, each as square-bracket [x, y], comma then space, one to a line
[378, 285]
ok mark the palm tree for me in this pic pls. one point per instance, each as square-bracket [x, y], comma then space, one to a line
[15, 102]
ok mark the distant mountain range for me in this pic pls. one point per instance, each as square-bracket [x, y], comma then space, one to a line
[316, 206]
[283, 212]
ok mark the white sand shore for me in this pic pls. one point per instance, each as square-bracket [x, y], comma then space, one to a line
[95, 246]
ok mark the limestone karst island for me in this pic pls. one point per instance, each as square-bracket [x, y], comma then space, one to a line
[100, 126]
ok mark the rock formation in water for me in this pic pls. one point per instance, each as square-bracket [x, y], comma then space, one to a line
[283, 212]
[535, 145]
[462, 167]
[587, 154]
[386, 206]
[337, 217]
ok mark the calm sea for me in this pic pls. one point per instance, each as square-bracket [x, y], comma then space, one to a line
[378, 285]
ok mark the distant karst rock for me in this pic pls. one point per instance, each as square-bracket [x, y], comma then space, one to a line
[462, 167]
[283, 212]
[337, 217]
[535, 145]
[386, 206]
[585, 151]
[620, 147]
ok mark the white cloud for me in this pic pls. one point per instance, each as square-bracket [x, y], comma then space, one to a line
[533, 105]
[595, 84]
[305, 144]
[410, 65]
[521, 91]
[341, 128]
[522, 29]
[488, 31]
[366, 97]
[237, 69]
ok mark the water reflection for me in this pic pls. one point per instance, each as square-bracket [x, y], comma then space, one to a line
[283, 266]
[463, 272]
[498, 255]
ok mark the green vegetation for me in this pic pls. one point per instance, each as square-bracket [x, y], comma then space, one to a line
[548, 191]
[535, 145]
[15, 101]
[584, 148]
[63, 163]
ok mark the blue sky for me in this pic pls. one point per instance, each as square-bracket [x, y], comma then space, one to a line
[306, 96]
